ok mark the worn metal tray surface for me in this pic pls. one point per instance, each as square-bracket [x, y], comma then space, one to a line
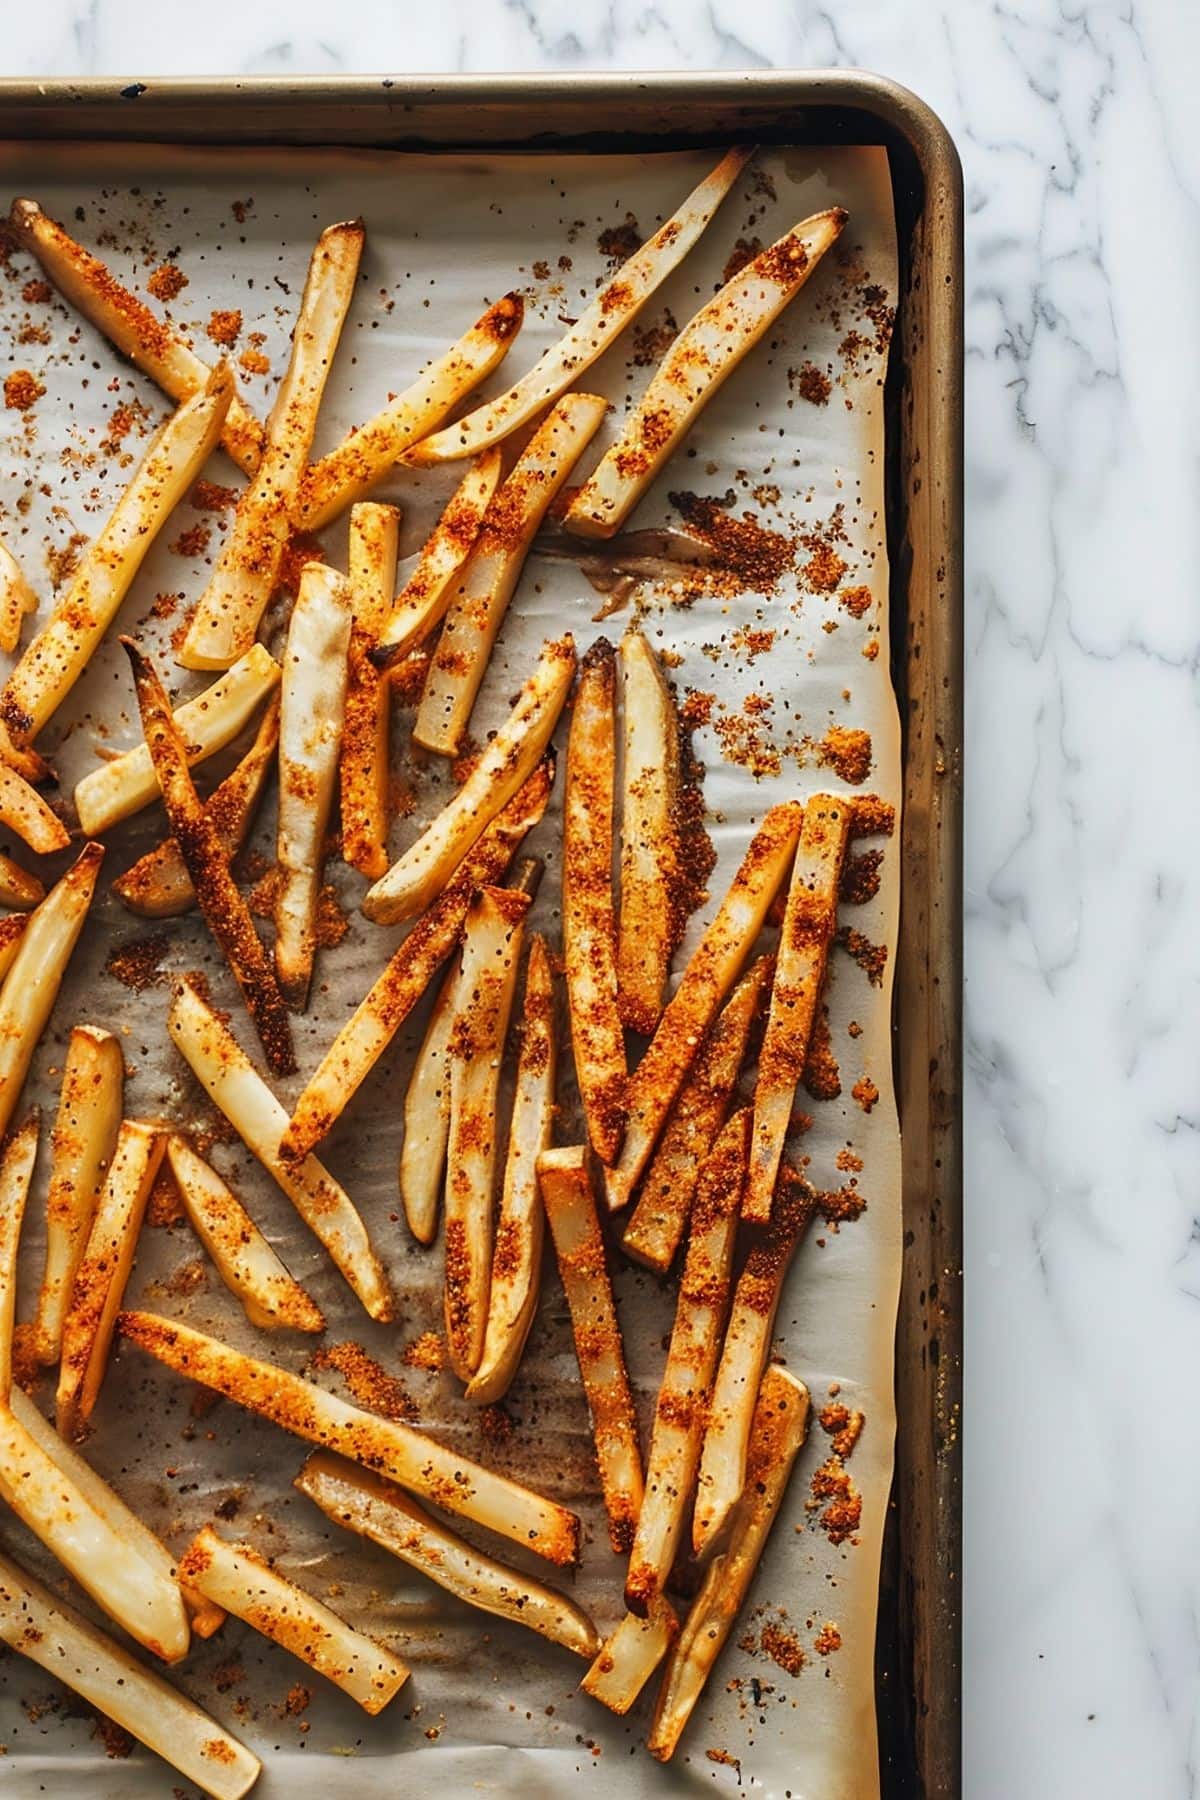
[919, 1621]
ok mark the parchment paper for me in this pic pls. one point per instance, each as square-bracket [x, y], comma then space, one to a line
[489, 1708]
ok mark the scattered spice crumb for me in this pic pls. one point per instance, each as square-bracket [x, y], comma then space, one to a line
[860, 879]
[188, 1278]
[828, 1639]
[166, 282]
[856, 600]
[865, 1092]
[136, 962]
[652, 341]
[332, 924]
[726, 1761]
[224, 327]
[619, 242]
[744, 251]
[165, 1206]
[822, 1077]
[21, 389]
[847, 752]
[812, 384]
[833, 1488]
[192, 542]
[783, 1647]
[209, 496]
[298, 1700]
[424, 1352]
[871, 958]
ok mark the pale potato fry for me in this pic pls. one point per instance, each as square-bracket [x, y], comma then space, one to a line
[490, 574]
[571, 1210]
[17, 599]
[12, 930]
[374, 536]
[520, 1228]
[376, 1509]
[361, 1042]
[703, 356]
[421, 874]
[81, 1148]
[16, 1172]
[18, 887]
[23, 810]
[491, 955]
[619, 301]
[435, 1471]
[367, 453]
[780, 1427]
[150, 344]
[237, 1578]
[629, 1656]
[682, 1404]
[245, 1261]
[61, 651]
[72, 1650]
[427, 1117]
[652, 915]
[710, 974]
[428, 591]
[225, 620]
[809, 925]
[231, 1081]
[589, 936]
[119, 788]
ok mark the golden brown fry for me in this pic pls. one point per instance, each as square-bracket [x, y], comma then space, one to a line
[18, 887]
[571, 1210]
[629, 1656]
[429, 589]
[374, 534]
[406, 1455]
[16, 1172]
[17, 599]
[23, 810]
[652, 915]
[427, 1117]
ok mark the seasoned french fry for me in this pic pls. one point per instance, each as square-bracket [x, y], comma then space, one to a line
[809, 925]
[490, 574]
[491, 956]
[206, 724]
[374, 534]
[520, 1229]
[72, 1650]
[709, 975]
[703, 356]
[16, 599]
[225, 912]
[427, 1117]
[149, 343]
[361, 1042]
[617, 303]
[226, 616]
[659, 1220]
[422, 873]
[629, 1656]
[237, 1578]
[589, 938]
[16, 1172]
[158, 885]
[779, 1430]
[651, 919]
[231, 1081]
[81, 1149]
[23, 810]
[375, 1509]
[695, 1345]
[32, 983]
[312, 711]
[406, 1455]
[367, 453]
[428, 591]
[61, 651]
[18, 887]
[12, 930]
[571, 1210]
[245, 1261]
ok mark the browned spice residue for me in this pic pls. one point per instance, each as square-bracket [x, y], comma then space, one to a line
[745, 736]
[121, 422]
[847, 753]
[425, 1352]
[166, 281]
[748, 556]
[871, 958]
[21, 389]
[35, 293]
[224, 327]
[253, 362]
[496, 1424]
[652, 341]
[744, 251]
[783, 1647]
[861, 877]
[63, 560]
[370, 1384]
[724, 1758]
[848, 1163]
[192, 542]
[812, 384]
[209, 496]
[188, 1278]
[332, 923]
[298, 1700]
[833, 1488]
[227, 1675]
[873, 817]
[865, 1092]
[165, 1206]
[619, 242]
[828, 1639]
[116, 1740]
[843, 1426]
[839, 1206]
[856, 600]
[26, 1364]
[136, 961]
[822, 1077]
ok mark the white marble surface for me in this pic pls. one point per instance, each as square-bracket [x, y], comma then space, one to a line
[1083, 634]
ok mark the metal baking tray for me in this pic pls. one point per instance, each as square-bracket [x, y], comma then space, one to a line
[918, 1647]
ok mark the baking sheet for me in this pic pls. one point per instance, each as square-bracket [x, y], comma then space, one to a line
[445, 236]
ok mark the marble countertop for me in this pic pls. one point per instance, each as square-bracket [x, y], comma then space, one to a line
[1082, 1636]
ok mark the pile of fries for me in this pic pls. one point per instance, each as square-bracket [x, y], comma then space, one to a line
[671, 1161]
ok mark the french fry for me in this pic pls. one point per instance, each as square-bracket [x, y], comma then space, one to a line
[245, 1261]
[23, 810]
[226, 1073]
[659, 1220]
[363, 1039]
[375, 1509]
[81, 1150]
[490, 574]
[683, 1393]
[629, 1656]
[709, 975]
[312, 710]
[236, 1577]
[427, 1117]
[367, 453]
[589, 938]
[405, 1455]
[520, 1228]
[615, 306]
[61, 651]
[809, 925]
[72, 1650]
[16, 1172]
[206, 724]
[32, 983]
[491, 956]
[421, 874]
[428, 591]
[158, 885]
[17, 599]
[12, 930]
[651, 918]
[226, 616]
[374, 533]
[703, 356]
[744, 1356]
[225, 912]
[779, 1430]
[150, 344]
[571, 1210]
[18, 887]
